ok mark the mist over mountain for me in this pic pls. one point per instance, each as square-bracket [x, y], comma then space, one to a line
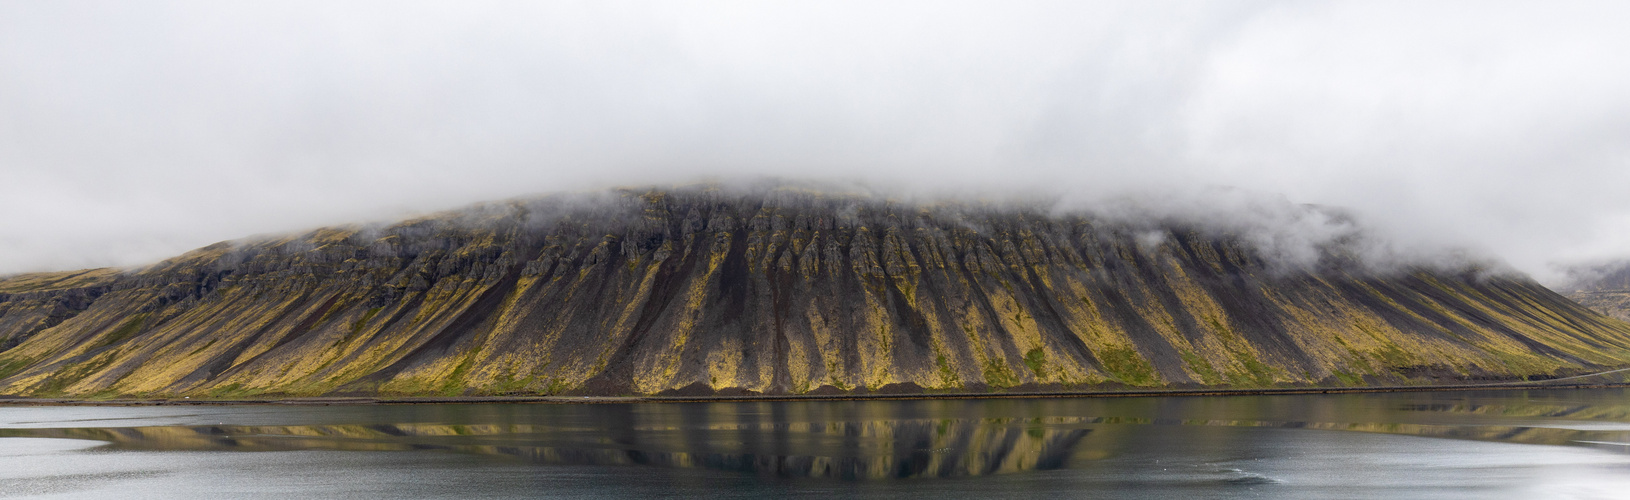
[794, 288]
[1603, 287]
[130, 133]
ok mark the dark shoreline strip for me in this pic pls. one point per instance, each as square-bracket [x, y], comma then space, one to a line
[325, 401]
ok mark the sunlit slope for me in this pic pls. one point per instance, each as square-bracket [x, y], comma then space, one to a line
[700, 292]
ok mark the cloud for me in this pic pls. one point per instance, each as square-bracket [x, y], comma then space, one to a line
[129, 133]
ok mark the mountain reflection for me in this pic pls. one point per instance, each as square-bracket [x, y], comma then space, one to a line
[860, 439]
[848, 450]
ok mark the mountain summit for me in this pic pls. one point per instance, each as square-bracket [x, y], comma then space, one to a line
[705, 290]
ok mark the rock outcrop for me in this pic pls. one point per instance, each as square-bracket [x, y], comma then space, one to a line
[1604, 288]
[704, 291]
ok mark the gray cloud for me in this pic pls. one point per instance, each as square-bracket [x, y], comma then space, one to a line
[130, 132]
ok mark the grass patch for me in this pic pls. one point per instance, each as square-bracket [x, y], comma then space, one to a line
[839, 384]
[1217, 326]
[124, 331]
[832, 373]
[1256, 372]
[454, 384]
[1208, 374]
[555, 386]
[948, 376]
[508, 383]
[1348, 378]
[1036, 360]
[58, 383]
[12, 366]
[1128, 366]
[997, 374]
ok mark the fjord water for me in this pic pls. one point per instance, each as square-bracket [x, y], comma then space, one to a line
[1505, 444]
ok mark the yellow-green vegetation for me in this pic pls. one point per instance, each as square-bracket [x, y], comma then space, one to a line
[124, 331]
[1036, 360]
[1199, 365]
[948, 376]
[998, 375]
[68, 280]
[1128, 366]
[640, 292]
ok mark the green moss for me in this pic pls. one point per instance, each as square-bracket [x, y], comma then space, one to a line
[832, 374]
[1217, 326]
[1036, 360]
[64, 377]
[1128, 366]
[1348, 378]
[454, 384]
[839, 383]
[906, 289]
[972, 338]
[507, 383]
[1208, 374]
[1519, 364]
[10, 367]
[124, 331]
[948, 376]
[1393, 357]
[997, 374]
[1258, 373]
[555, 386]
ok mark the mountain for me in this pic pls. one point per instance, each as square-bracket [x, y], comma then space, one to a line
[1603, 288]
[706, 290]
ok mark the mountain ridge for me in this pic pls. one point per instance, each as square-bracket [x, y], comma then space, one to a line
[1604, 288]
[702, 290]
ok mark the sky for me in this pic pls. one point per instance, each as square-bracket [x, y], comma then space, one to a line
[134, 131]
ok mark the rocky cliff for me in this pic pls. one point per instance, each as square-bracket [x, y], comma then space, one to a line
[705, 291]
[1603, 288]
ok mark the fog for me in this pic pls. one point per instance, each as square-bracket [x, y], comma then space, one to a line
[130, 132]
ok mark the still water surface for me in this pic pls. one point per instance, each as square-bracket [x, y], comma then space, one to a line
[1507, 444]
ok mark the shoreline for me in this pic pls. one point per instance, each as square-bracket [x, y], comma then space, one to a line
[413, 400]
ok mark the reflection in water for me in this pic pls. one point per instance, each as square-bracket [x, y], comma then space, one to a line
[881, 439]
[849, 450]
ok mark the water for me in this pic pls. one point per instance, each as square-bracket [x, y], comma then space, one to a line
[1509, 444]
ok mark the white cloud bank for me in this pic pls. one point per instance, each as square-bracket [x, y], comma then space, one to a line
[133, 131]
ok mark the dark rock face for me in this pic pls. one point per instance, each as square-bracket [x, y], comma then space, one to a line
[29, 306]
[1604, 289]
[703, 291]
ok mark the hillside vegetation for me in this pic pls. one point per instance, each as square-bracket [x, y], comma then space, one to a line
[708, 291]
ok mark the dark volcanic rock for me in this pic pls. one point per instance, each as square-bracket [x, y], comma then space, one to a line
[702, 291]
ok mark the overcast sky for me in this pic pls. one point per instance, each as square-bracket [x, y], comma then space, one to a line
[133, 131]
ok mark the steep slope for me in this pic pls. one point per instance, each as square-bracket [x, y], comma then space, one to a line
[701, 291]
[1604, 289]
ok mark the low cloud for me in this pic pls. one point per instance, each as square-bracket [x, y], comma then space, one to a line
[129, 133]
